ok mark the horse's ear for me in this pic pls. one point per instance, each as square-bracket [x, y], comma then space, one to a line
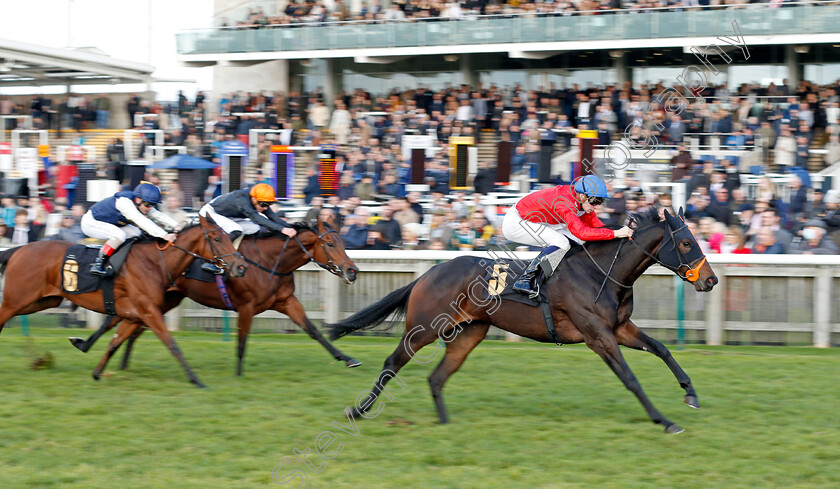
[668, 214]
[681, 214]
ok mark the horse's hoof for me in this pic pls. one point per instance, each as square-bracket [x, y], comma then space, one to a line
[199, 384]
[352, 363]
[78, 343]
[674, 429]
[692, 402]
[355, 413]
[96, 376]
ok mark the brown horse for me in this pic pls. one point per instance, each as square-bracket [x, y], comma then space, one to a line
[591, 301]
[34, 278]
[269, 285]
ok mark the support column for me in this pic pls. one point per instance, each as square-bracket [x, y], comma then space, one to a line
[333, 83]
[468, 76]
[792, 64]
[622, 72]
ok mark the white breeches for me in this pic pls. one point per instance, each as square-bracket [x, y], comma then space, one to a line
[245, 226]
[521, 231]
[103, 230]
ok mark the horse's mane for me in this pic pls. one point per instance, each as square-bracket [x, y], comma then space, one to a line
[644, 219]
[639, 220]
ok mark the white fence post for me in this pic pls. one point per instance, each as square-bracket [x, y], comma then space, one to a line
[716, 313]
[331, 292]
[822, 307]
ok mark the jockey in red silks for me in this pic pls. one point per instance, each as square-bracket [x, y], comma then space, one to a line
[544, 218]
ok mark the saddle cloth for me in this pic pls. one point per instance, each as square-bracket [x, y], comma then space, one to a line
[75, 269]
[502, 274]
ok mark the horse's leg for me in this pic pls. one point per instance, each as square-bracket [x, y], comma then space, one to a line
[130, 346]
[606, 345]
[456, 352]
[629, 335]
[414, 339]
[154, 320]
[292, 307]
[84, 345]
[246, 318]
[125, 330]
[170, 300]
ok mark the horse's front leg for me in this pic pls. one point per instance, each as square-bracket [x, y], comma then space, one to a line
[153, 319]
[605, 345]
[292, 307]
[629, 335]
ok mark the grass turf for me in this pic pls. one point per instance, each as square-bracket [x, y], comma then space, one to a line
[523, 416]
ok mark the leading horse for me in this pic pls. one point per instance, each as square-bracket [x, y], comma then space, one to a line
[269, 285]
[34, 277]
[591, 300]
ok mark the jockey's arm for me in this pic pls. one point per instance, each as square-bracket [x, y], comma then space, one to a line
[273, 217]
[248, 211]
[129, 210]
[163, 220]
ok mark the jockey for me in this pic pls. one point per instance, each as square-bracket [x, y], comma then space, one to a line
[545, 217]
[123, 216]
[242, 212]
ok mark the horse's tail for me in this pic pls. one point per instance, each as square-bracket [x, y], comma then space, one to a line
[373, 314]
[5, 256]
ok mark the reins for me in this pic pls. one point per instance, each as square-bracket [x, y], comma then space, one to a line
[691, 274]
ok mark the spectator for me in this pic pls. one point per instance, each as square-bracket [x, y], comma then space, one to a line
[355, 231]
[767, 244]
[315, 211]
[735, 241]
[70, 229]
[814, 240]
[5, 242]
[313, 186]
[24, 231]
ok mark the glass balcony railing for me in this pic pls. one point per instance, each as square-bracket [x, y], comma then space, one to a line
[625, 25]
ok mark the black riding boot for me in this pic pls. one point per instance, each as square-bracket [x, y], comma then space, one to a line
[98, 267]
[525, 284]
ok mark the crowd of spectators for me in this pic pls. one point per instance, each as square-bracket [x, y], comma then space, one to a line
[779, 122]
[297, 12]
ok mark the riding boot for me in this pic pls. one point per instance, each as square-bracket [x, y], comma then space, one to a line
[525, 284]
[98, 267]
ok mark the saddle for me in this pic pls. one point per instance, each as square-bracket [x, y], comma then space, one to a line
[500, 279]
[77, 279]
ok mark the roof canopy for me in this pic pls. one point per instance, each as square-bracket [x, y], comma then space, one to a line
[27, 65]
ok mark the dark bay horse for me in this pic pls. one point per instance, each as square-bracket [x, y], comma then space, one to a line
[268, 285]
[33, 278]
[436, 306]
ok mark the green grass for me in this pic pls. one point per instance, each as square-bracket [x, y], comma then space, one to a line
[523, 416]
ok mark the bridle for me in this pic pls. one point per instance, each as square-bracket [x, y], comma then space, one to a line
[692, 273]
[218, 258]
[330, 266]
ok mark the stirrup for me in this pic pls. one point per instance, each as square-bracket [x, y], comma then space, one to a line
[212, 268]
[105, 271]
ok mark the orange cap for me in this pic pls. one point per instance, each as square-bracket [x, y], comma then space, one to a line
[263, 192]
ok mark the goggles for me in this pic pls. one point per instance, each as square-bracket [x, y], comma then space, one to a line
[264, 204]
[147, 204]
[596, 200]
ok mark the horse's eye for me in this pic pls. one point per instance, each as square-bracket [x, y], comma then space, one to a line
[217, 239]
[686, 243]
[331, 245]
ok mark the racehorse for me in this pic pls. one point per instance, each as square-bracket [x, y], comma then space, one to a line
[34, 278]
[269, 285]
[590, 301]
